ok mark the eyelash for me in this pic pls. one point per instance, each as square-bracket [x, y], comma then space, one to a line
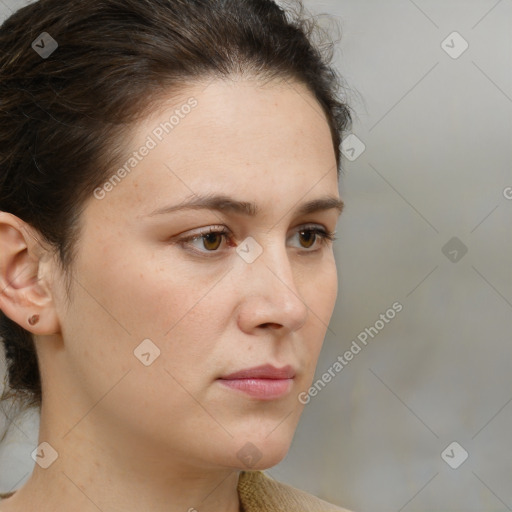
[325, 237]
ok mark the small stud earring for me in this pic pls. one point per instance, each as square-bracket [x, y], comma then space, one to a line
[33, 319]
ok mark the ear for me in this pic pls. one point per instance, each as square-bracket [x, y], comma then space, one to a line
[25, 274]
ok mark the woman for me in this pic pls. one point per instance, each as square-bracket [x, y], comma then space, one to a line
[168, 201]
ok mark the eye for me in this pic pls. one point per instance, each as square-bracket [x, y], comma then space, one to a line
[209, 241]
[309, 235]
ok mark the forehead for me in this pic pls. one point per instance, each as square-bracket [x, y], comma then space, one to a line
[238, 137]
[233, 116]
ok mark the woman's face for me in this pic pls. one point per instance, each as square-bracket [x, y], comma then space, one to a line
[157, 318]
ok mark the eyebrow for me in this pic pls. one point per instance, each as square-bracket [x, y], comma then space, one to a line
[223, 203]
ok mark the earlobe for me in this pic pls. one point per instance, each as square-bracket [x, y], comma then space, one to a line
[33, 319]
[25, 297]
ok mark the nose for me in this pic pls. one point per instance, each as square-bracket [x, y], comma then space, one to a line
[270, 297]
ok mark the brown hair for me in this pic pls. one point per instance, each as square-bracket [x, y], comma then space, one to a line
[63, 116]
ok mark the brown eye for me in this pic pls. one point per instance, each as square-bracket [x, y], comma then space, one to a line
[212, 241]
[313, 236]
[208, 242]
[310, 238]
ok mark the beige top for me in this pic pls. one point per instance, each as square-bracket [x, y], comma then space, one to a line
[260, 493]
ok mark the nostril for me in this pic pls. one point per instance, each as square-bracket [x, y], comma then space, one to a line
[271, 324]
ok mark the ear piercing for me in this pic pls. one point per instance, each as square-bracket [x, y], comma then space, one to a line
[33, 319]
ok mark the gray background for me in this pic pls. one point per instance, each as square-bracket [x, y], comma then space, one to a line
[437, 132]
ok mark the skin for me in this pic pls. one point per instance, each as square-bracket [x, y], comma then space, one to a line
[132, 437]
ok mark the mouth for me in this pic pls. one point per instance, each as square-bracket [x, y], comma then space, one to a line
[264, 382]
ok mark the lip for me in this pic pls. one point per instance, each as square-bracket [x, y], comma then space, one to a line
[265, 371]
[264, 382]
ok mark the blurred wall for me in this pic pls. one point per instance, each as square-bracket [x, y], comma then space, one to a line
[419, 419]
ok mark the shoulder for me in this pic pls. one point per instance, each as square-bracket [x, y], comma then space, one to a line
[260, 493]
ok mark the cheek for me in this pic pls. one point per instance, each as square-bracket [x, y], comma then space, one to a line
[320, 289]
[320, 295]
[124, 304]
[142, 294]
[184, 312]
[167, 303]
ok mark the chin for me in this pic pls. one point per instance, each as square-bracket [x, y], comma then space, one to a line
[262, 451]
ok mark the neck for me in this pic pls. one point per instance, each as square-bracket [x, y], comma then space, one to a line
[90, 476]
